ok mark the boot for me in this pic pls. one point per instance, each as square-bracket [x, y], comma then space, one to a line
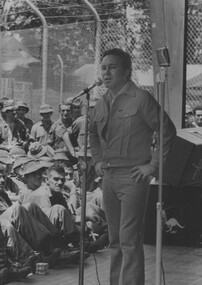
[31, 261]
[53, 258]
[18, 274]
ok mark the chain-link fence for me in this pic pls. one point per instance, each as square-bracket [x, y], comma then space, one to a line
[75, 45]
[194, 60]
[71, 59]
[22, 64]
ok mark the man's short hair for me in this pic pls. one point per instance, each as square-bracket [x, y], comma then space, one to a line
[198, 107]
[57, 168]
[124, 56]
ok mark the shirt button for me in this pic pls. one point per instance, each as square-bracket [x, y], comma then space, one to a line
[108, 164]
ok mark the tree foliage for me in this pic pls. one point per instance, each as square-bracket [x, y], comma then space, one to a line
[18, 15]
[73, 42]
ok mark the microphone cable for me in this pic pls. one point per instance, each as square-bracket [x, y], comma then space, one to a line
[163, 273]
[96, 269]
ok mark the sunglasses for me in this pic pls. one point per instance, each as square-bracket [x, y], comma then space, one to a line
[56, 179]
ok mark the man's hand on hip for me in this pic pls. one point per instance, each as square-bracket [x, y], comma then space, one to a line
[140, 173]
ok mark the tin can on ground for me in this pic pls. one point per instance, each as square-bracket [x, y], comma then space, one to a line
[42, 268]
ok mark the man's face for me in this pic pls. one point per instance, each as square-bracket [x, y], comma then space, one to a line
[35, 179]
[113, 74]
[198, 118]
[56, 181]
[69, 173]
[76, 110]
[65, 113]
[10, 114]
[21, 111]
[46, 116]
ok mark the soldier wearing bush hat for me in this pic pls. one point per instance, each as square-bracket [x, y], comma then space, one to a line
[22, 109]
[33, 166]
[37, 150]
[40, 130]
[45, 109]
[59, 134]
[62, 155]
[76, 106]
[12, 130]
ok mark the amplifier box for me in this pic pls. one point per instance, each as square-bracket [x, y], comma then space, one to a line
[184, 164]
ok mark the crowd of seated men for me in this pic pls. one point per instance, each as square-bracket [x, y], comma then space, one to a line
[40, 191]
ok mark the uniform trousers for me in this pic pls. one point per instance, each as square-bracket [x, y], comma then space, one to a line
[125, 206]
[29, 227]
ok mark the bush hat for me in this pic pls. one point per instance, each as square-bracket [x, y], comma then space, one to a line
[5, 157]
[22, 104]
[63, 155]
[2, 100]
[45, 108]
[37, 150]
[17, 151]
[33, 166]
[60, 154]
[8, 105]
[47, 161]
[64, 107]
[20, 161]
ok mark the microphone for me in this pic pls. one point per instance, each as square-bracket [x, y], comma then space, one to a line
[163, 57]
[98, 82]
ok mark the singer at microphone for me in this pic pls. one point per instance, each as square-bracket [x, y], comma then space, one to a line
[121, 129]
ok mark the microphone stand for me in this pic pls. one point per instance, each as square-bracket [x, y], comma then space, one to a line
[161, 77]
[83, 199]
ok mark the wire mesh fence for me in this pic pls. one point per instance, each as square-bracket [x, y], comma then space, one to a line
[75, 45]
[194, 60]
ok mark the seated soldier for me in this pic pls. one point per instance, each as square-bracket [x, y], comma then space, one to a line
[15, 181]
[27, 225]
[39, 131]
[12, 130]
[40, 193]
[9, 270]
[34, 226]
[95, 216]
[21, 109]
[19, 253]
[59, 133]
[24, 231]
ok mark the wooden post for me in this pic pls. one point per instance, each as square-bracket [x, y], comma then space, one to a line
[168, 29]
[1, 89]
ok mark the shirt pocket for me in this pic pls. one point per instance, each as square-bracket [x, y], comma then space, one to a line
[127, 119]
[127, 115]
